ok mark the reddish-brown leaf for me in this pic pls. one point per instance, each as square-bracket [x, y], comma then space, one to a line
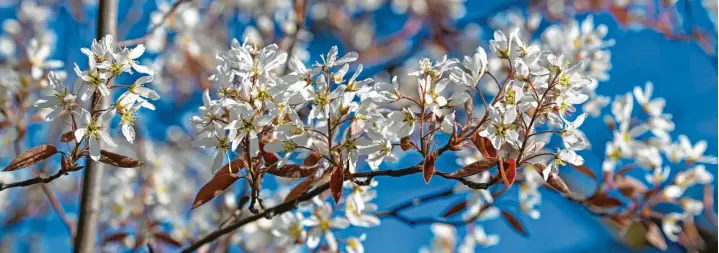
[406, 144]
[604, 201]
[650, 193]
[31, 156]
[455, 209]
[236, 165]
[166, 239]
[484, 145]
[428, 168]
[117, 237]
[118, 160]
[63, 163]
[312, 159]
[300, 189]
[508, 170]
[625, 169]
[558, 184]
[630, 187]
[473, 168]
[217, 185]
[67, 137]
[292, 171]
[654, 236]
[269, 158]
[585, 170]
[516, 224]
[620, 220]
[336, 181]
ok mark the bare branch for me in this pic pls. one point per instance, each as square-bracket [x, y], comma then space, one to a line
[300, 12]
[32, 181]
[92, 180]
[153, 28]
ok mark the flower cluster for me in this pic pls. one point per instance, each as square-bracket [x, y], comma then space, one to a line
[318, 115]
[645, 140]
[105, 62]
[292, 151]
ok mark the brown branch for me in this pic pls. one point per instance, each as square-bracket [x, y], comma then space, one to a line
[291, 205]
[58, 209]
[709, 204]
[281, 208]
[87, 229]
[417, 201]
[32, 181]
[153, 28]
[300, 12]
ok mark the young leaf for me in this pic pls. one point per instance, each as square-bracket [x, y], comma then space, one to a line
[604, 201]
[455, 209]
[217, 185]
[236, 165]
[406, 144]
[654, 236]
[508, 170]
[336, 181]
[117, 160]
[67, 137]
[585, 170]
[300, 189]
[428, 168]
[269, 158]
[630, 187]
[514, 222]
[30, 157]
[473, 168]
[625, 169]
[166, 239]
[484, 145]
[558, 184]
[312, 159]
[292, 171]
[117, 237]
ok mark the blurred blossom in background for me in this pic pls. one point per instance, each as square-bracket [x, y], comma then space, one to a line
[648, 77]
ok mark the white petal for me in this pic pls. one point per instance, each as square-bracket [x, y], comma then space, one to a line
[129, 132]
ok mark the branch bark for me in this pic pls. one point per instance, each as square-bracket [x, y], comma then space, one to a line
[90, 199]
[32, 181]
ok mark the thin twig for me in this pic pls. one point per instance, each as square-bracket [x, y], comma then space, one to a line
[153, 28]
[58, 209]
[300, 8]
[32, 181]
[417, 201]
[709, 204]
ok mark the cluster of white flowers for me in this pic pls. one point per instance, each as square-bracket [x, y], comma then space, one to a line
[266, 113]
[105, 62]
[646, 141]
[270, 121]
[576, 41]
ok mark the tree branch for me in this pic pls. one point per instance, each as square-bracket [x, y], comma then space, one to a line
[32, 181]
[153, 28]
[58, 208]
[92, 181]
[300, 12]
